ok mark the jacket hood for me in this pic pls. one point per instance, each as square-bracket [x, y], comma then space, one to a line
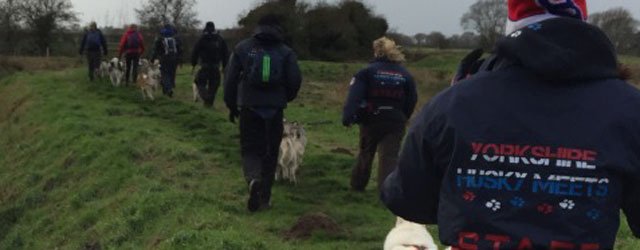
[130, 30]
[269, 34]
[561, 49]
[167, 32]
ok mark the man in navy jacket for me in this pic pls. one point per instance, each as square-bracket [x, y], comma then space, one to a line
[94, 43]
[259, 108]
[540, 149]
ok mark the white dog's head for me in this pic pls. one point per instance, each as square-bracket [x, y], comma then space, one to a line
[154, 69]
[115, 63]
[294, 130]
[409, 236]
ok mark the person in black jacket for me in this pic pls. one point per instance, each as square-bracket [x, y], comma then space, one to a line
[212, 52]
[261, 78]
[381, 99]
[538, 149]
[168, 49]
[94, 43]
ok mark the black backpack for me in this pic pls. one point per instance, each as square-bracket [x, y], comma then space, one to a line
[266, 68]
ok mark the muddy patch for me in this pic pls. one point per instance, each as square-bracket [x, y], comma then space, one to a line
[343, 151]
[313, 223]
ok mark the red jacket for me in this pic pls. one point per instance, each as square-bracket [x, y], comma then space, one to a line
[123, 48]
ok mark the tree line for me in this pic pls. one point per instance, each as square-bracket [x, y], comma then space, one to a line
[322, 31]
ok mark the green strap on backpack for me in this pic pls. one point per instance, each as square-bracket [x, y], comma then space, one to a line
[266, 68]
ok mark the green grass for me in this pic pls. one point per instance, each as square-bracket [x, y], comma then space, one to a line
[87, 165]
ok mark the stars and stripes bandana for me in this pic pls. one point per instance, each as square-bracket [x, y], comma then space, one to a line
[525, 12]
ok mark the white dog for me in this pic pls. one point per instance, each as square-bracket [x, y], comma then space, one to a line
[196, 92]
[407, 235]
[116, 71]
[103, 70]
[292, 147]
[149, 79]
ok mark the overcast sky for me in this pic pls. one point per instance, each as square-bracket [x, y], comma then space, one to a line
[406, 16]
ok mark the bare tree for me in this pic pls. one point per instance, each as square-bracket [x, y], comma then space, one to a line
[421, 38]
[44, 17]
[619, 25]
[467, 40]
[10, 18]
[436, 40]
[488, 18]
[179, 13]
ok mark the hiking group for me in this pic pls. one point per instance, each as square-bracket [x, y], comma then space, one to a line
[533, 147]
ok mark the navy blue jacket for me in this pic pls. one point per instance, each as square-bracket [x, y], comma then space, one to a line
[238, 92]
[102, 45]
[383, 91]
[211, 50]
[541, 153]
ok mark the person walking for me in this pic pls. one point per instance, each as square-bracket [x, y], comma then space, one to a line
[212, 52]
[168, 49]
[381, 99]
[132, 46]
[261, 78]
[95, 45]
[536, 148]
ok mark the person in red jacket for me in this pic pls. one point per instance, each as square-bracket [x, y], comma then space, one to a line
[132, 46]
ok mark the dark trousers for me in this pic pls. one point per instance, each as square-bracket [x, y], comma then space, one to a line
[168, 68]
[208, 82]
[384, 137]
[260, 144]
[131, 74]
[93, 59]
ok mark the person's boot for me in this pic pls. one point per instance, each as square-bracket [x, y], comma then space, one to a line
[265, 200]
[255, 194]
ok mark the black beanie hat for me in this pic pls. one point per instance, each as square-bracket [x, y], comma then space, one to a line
[210, 26]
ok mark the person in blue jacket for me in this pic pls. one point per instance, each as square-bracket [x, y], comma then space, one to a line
[381, 99]
[168, 49]
[95, 45]
[537, 147]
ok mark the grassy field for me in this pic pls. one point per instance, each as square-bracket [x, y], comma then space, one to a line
[88, 166]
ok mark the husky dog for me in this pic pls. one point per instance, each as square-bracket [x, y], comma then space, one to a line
[196, 92]
[103, 70]
[292, 147]
[149, 79]
[407, 235]
[144, 63]
[116, 73]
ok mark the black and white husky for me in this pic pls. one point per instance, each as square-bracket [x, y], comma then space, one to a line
[116, 71]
